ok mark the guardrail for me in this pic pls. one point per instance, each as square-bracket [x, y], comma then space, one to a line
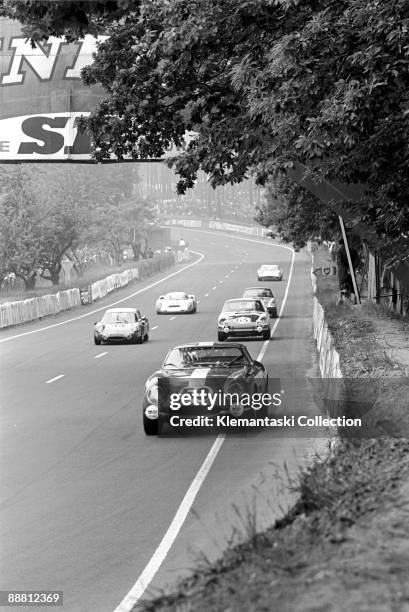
[23, 311]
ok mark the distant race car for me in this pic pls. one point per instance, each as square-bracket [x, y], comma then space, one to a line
[207, 366]
[122, 324]
[269, 272]
[266, 297]
[176, 302]
[243, 317]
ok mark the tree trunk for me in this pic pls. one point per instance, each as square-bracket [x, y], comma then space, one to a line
[55, 276]
[30, 281]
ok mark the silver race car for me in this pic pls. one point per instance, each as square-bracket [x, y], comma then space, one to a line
[243, 317]
[266, 297]
[176, 302]
[122, 324]
[269, 272]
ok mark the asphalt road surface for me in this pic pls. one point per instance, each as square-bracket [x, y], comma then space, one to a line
[86, 497]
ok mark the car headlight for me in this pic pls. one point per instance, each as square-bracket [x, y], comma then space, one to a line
[262, 318]
[99, 328]
[152, 391]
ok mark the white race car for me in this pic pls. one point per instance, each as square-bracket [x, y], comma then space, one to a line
[176, 302]
[269, 272]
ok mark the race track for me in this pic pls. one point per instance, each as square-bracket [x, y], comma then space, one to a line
[86, 496]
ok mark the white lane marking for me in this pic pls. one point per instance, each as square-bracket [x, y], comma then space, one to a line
[226, 276]
[171, 318]
[88, 314]
[214, 288]
[265, 345]
[206, 295]
[161, 552]
[154, 327]
[47, 382]
[100, 355]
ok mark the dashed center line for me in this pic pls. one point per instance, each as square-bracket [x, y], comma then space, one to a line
[154, 327]
[226, 276]
[47, 382]
[101, 355]
[206, 295]
[221, 282]
[171, 318]
[214, 287]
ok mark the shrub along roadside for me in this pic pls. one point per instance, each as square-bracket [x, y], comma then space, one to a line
[341, 545]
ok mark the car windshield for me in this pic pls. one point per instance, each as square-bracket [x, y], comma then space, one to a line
[119, 317]
[176, 296]
[198, 356]
[259, 293]
[238, 305]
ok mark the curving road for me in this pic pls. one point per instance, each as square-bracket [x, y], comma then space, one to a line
[86, 496]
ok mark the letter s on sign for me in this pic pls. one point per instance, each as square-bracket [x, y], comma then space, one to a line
[33, 127]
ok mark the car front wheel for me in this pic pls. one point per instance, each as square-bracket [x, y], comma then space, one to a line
[97, 340]
[273, 313]
[138, 338]
[266, 334]
[151, 428]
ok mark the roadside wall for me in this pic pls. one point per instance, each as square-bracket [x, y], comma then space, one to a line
[22, 311]
[221, 225]
[328, 356]
[14, 313]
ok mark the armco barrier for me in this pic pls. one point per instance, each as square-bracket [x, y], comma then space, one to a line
[15, 313]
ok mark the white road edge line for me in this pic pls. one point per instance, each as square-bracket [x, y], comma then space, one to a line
[154, 327]
[36, 331]
[101, 355]
[47, 382]
[144, 580]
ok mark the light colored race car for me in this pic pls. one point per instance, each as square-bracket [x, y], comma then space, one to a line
[269, 272]
[176, 301]
[266, 297]
[243, 317]
[122, 324]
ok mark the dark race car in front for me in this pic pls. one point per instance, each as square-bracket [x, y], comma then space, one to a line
[206, 370]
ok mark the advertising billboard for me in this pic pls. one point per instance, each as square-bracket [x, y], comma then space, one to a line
[42, 97]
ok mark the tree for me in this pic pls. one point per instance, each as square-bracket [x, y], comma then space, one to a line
[262, 83]
[20, 226]
[295, 214]
[48, 213]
